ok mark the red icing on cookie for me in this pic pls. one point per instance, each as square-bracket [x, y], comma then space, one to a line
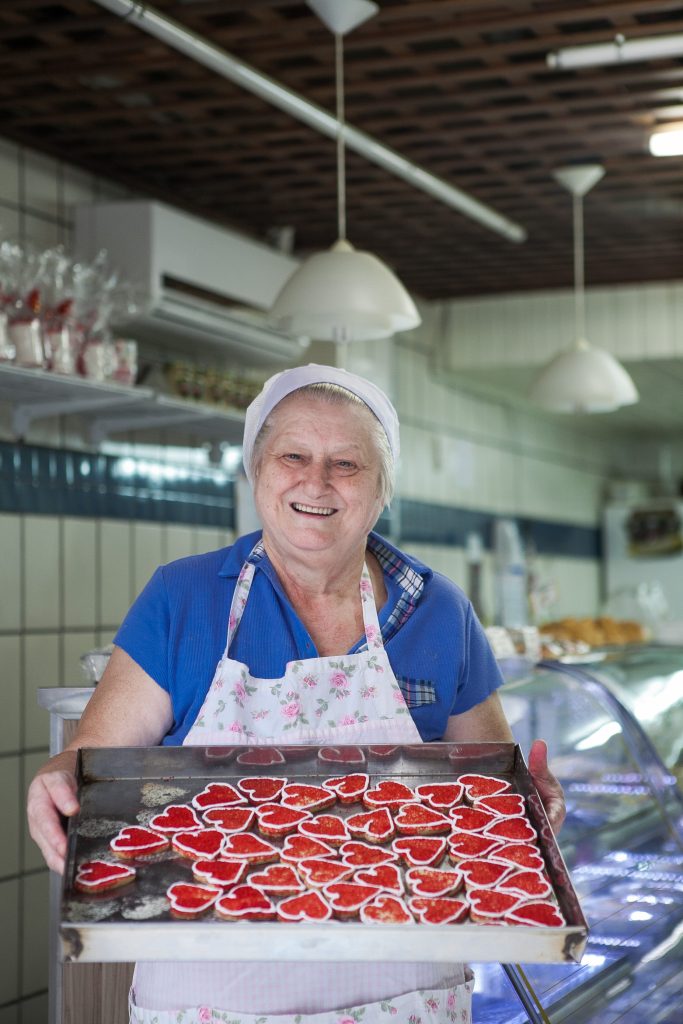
[133, 841]
[386, 910]
[176, 818]
[521, 854]
[349, 788]
[441, 795]
[341, 755]
[188, 900]
[432, 882]
[512, 830]
[277, 878]
[229, 819]
[247, 903]
[471, 819]
[261, 756]
[386, 876]
[328, 827]
[220, 753]
[319, 872]
[389, 793]
[504, 804]
[531, 884]
[306, 798]
[414, 819]
[438, 910]
[221, 873]
[478, 786]
[204, 844]
[297, 847]
[361, 855]
[490, 904]
[463, 845]
[346, 898]
[261, 789]
[276, 820]
[245, 846]
[217, 794]
[309, 907]
[99, 875]
[483, 874]
[383, 751]
[541, 913]
[375, 826]
[419, 851]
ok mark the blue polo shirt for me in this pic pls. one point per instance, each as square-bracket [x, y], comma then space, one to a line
[176, 631]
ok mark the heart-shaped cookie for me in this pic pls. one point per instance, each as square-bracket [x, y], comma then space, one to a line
[362, 855]
[375, 826]
[303, 797]
[297, 847]
[531, 884]
[176, 818]
[462, 845]
[505, 804]
[512, 830]
[245, 902]
[204, 844]
[220, 753]
[521, 854]
[220, 873]
[309, 907]
[471, 819]
[419, 851]
[262, 756]
[389, 793]
[441, 795]
[386, 876]
[346, 898]
[100, 875]
[248, 847]
[484, 874]
[341, 755]
[134, 841]
[541, 914]
[217, 794]
[490, 905]
[319, 872]
[229, 819]
[276, 820]
[277, 878]
[478, 786]
[188, 900]
[386, 910]
[349, 788]
[328, 827]
[261, 789]
[383, 751]
[414, 819]
[432, 881]
[438, 909]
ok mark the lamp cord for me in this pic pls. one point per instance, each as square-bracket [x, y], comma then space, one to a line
[579, 279]
[341, 168]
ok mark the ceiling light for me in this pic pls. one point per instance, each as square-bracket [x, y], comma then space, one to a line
[667, 142]
[619, 51]
[582, 379]
[343, 295]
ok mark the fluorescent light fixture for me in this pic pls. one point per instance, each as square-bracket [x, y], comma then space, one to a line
[667, 142]
[619, 51]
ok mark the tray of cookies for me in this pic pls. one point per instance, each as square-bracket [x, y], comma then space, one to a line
[431, 852]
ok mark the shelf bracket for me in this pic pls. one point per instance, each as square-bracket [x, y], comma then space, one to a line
[103, 426]
[24, 414]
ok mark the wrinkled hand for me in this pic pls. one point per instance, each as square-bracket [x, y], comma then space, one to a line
[549, 789]
[51, 794]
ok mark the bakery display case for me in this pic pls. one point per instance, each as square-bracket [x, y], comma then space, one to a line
[613, 727]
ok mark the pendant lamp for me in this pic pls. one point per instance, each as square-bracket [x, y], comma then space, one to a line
[582, 379]
[343, 295]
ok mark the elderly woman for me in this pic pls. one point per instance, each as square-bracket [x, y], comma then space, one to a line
[315, 631]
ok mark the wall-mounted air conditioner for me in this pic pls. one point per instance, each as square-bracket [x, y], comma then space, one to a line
[205, 285]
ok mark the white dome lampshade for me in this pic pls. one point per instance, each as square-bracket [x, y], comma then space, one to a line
[343, 295]
[583, 379]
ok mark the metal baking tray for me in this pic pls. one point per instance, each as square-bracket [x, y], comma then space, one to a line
[126, 786]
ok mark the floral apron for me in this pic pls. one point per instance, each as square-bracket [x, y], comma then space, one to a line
[353, 698]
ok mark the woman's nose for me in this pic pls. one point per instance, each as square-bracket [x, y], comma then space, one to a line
[316, 477]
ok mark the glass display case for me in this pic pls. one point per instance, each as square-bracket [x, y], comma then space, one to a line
[614, 727]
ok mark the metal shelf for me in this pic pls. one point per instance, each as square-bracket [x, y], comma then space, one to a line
[110, 408]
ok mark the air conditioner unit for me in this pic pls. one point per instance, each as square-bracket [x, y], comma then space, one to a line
[205, 285]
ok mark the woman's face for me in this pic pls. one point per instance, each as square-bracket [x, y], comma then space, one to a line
[317, 486]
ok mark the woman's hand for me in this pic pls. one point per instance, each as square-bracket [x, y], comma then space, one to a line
[549, 789]
[51, 794]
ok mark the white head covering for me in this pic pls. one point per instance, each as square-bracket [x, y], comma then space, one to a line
[282, 384]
